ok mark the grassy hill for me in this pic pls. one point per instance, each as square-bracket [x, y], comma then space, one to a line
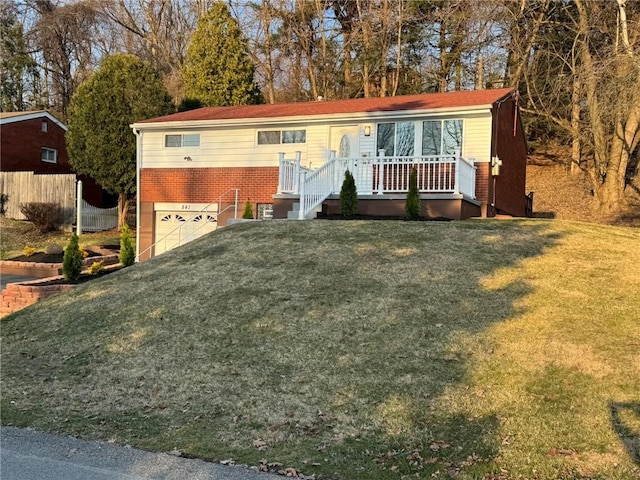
[352, 350]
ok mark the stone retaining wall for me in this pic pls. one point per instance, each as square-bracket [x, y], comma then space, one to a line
[20, 295]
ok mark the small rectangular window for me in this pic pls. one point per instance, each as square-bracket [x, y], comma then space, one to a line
[45, 126]
[276, 137]
[265, 211]
[187, 140]
[294, 136]
[192, 140]
[269, 138]
[49, 155]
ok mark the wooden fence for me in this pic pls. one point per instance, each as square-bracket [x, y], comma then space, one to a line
[26, 187]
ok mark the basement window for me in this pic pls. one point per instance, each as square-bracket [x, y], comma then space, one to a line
[265, 211]
[185, 140]
[276, 137]
[49, 155]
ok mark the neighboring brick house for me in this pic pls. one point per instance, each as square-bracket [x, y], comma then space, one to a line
[289, 159]
[35, 142]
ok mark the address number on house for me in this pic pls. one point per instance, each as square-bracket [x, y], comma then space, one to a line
[190, 207]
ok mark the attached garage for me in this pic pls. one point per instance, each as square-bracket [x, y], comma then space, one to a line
[177, 224]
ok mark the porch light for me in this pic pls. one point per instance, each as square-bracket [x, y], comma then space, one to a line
[367, 130]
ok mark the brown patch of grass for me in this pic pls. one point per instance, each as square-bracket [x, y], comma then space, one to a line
[17, 234]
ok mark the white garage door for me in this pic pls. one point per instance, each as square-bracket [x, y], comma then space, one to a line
[175, 228]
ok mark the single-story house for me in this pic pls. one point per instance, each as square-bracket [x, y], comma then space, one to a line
[289, 161]
[34, 141]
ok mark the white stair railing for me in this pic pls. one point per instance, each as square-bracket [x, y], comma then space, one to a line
[316, 186]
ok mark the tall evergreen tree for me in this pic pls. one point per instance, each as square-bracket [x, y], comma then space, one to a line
[100, 142]
[218, 71]
[19, 78]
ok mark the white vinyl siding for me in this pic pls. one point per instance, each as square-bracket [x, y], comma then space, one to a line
[237, 146]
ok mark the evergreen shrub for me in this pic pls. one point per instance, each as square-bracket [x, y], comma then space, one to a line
[248, 210]
[72, 261]
[127, 255]
[412, 205]
[348, 195]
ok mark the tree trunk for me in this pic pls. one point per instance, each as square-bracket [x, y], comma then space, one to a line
[123, 209]
[575, 128]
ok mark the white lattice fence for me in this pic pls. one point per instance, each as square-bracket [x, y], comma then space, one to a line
[96, 219]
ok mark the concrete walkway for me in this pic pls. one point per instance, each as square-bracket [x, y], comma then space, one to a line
[27, 454]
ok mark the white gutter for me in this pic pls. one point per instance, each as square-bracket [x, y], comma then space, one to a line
[310, 119]
[138, 135]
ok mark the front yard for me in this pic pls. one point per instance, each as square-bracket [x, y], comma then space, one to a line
[353, 350]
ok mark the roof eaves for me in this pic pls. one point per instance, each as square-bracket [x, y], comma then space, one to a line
[311, 119]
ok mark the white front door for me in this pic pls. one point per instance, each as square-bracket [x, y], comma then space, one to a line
[344, 140]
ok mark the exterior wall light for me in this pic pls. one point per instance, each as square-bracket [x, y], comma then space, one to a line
[188, 159]
[367, 130]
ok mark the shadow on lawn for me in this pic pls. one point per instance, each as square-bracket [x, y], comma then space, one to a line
[629, 432]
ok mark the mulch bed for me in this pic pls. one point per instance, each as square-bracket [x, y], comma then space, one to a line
[85, 277]
[41, 257]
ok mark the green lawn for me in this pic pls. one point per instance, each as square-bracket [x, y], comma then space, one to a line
[353, 350]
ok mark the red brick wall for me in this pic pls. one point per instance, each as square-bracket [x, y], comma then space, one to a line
[200, 185]
[21, 146]
[204, 185]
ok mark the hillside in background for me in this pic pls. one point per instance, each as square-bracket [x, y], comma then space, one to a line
[565, 196]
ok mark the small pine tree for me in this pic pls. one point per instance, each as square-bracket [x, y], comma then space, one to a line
[248, 210]
[72, 261]
[348, 195]
[412, 206]
[127, 253]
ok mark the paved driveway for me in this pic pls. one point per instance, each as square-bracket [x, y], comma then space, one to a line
[28, 454]
[4, 279]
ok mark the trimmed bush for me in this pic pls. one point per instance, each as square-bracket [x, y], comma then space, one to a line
[4, 198]
[412, 206]
[127, 252]
[72, 261]
[348, 195]
[46, 217]
[248, 210]
[96, 268]
[28, 251]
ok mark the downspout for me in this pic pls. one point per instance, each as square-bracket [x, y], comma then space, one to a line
[138, 135]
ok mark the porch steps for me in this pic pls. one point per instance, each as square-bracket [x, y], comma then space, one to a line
[294, 213]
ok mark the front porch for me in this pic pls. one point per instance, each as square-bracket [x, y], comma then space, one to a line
[447, 185]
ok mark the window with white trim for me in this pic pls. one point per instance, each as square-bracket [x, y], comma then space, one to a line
[396, 139]
[45, 126]
[265, 211]
[441, 137]
[49, 155]
[276, 137]
[182, 140]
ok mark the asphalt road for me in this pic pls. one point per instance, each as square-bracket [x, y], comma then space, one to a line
[4, 279]
[27, 454]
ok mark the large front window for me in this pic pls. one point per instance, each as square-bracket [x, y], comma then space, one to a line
[441, 137]
[396, 139]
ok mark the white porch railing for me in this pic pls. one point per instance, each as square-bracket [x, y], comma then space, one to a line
[439, 174]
